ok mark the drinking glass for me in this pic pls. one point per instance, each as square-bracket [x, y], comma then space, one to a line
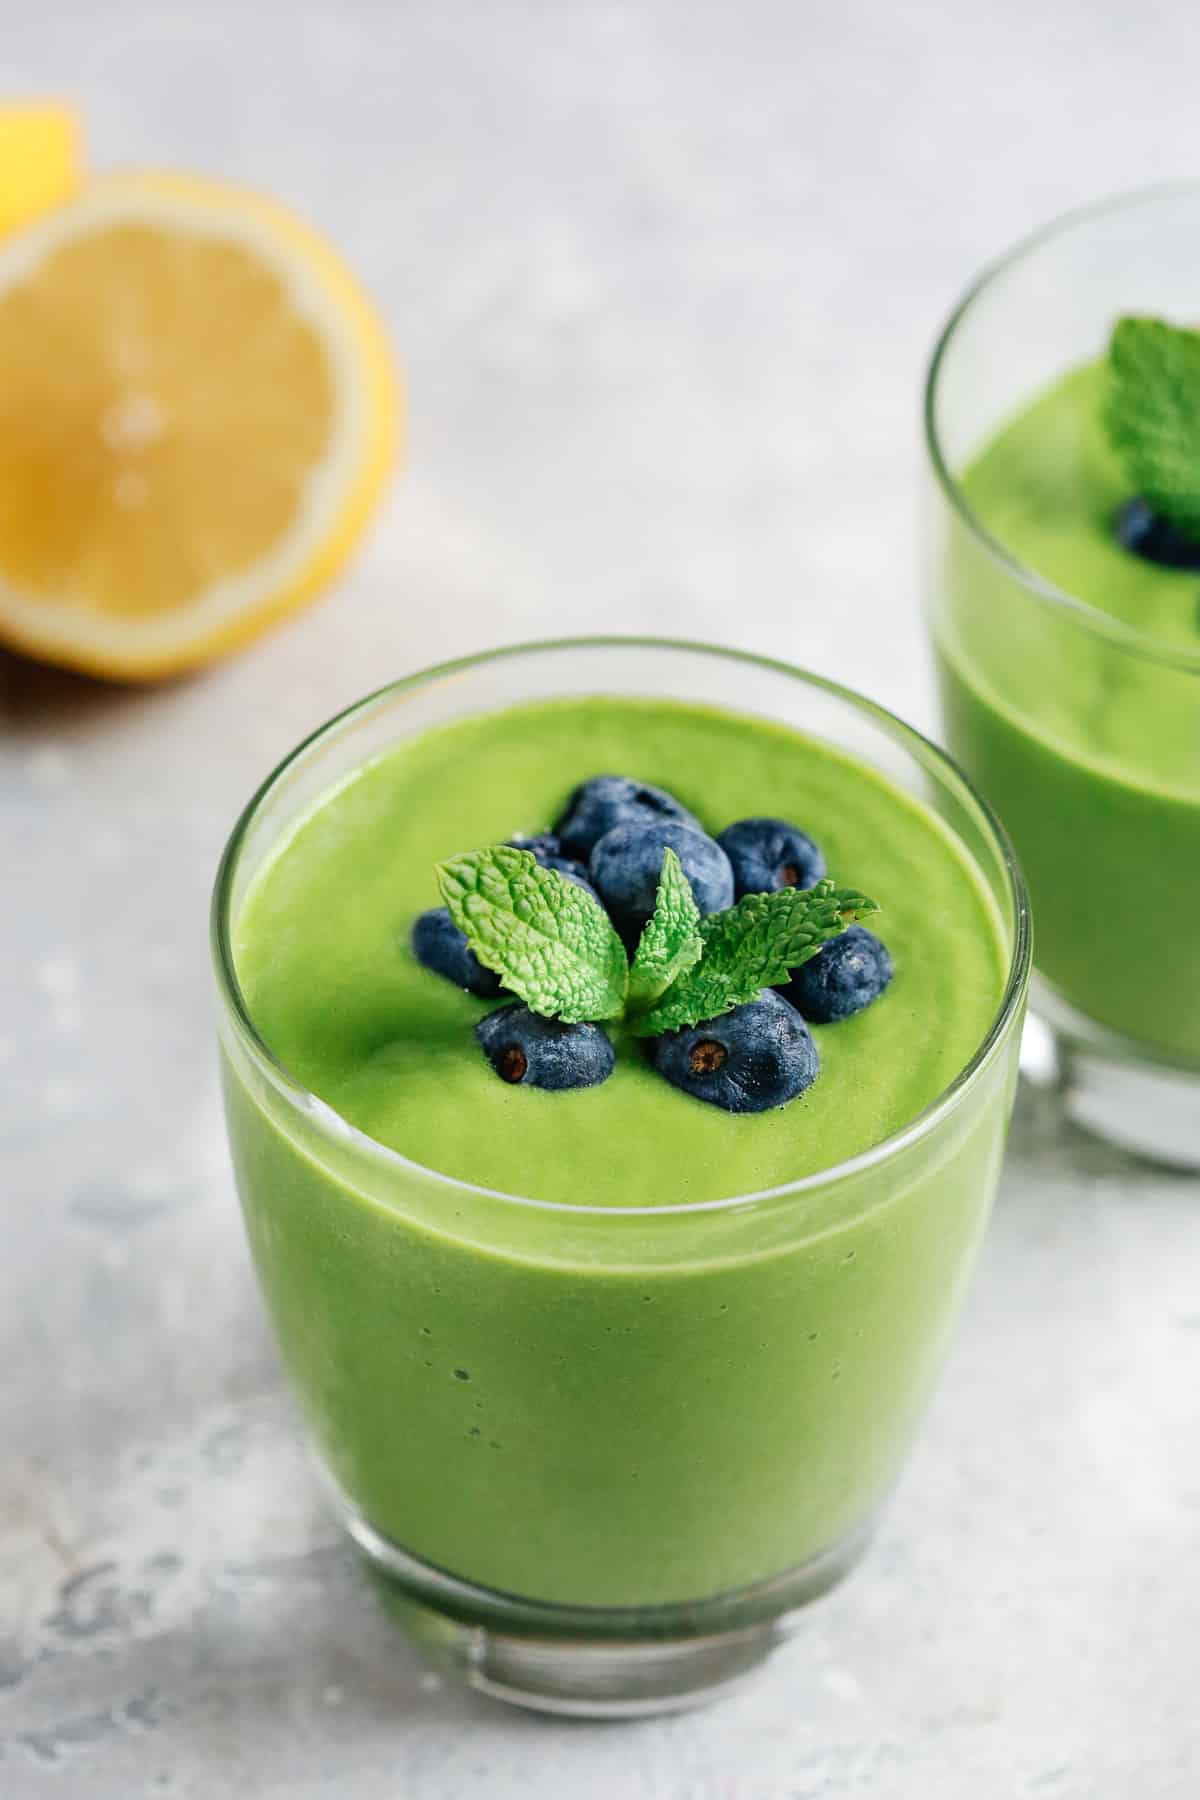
[449, 1396]
[1103, 810]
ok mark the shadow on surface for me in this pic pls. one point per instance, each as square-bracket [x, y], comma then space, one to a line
[34, 695]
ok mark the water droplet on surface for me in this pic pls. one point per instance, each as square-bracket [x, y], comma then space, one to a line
[58, 975]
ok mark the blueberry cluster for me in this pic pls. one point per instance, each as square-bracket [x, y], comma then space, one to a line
[610, 840]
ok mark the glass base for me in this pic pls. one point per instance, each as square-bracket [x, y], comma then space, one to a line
[594, 1662]
[1111, 1086]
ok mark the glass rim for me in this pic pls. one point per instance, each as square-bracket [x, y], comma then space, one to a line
[386, 1159]
[1091, 618]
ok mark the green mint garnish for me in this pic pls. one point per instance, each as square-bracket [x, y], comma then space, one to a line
[1153, 416]
[554, 946]
[547, 939]
[670, 943]
[754, 945]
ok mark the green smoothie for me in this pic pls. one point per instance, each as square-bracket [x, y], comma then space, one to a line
[568, 1401]
[1087, 747]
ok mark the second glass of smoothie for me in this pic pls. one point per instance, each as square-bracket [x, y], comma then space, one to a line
[607, 1383]
[1070, 662]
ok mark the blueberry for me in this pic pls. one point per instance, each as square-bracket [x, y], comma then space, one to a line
[538, 843]
[607, 800]
[757, 1056]
[769, 854]
[627, 863]
[1148, 535]
[523, 1047]
[845, 975]
[574, 871]
[440, 945]
[545, 849]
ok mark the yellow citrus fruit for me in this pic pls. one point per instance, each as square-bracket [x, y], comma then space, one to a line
[39, 160]
[197, 415]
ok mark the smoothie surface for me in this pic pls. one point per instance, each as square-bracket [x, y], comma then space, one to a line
[1049, 487]
[322, 952]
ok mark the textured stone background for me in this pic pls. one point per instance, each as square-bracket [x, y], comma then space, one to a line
[662, 276]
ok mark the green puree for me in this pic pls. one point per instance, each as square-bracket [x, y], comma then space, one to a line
[1048, 488]
[322, 952]
[1090, 754]
[596, 1408]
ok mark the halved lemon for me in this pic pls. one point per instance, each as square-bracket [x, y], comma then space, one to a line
[197, 415]
[39, 159]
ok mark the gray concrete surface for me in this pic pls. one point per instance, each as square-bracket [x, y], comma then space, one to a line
[662, 275]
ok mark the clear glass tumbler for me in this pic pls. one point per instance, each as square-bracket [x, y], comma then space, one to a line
[836, 1294]
[1103, 809]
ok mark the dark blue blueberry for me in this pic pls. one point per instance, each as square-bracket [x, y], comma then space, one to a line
[627, 863]
[607, 800]
[440, 945]
[758, 1056]
[538, 843]
[1148, 535]
[845, 975]
[574, 871]
[544, 848]
[523, 1047]
[769, 854]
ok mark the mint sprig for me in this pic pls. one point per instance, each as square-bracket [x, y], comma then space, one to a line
[670, 943]
[553, 945]
[547, 939]
[1152, 415]
[755, 944]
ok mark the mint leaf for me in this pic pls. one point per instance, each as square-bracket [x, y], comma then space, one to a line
[550, 942]
[670, 943]
[1152, 415]
[754, 945]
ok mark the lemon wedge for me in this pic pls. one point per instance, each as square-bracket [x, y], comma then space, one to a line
[198, 412]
